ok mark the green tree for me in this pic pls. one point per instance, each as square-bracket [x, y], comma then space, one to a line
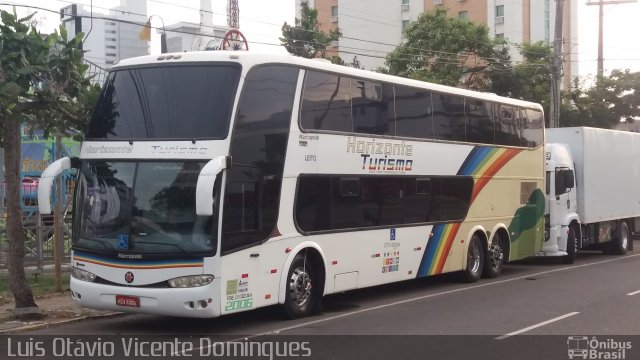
[355, 63]
[449, 51]
[305, 39]
[611, 99]
[533, 77]
[43, 84]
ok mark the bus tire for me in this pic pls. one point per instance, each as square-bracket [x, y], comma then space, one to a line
[619, 244]
[475, 260]
[495, 258]
[303, 296]
[572, 245]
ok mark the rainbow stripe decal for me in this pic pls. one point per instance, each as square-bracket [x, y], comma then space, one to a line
[128, 264]
[482, 163]
[434, 259]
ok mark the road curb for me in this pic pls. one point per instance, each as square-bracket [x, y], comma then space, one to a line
[60, 322]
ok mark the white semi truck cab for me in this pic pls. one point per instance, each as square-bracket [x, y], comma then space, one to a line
[593, 196]
[561, 216]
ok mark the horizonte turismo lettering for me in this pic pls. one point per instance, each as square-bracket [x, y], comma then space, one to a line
[372, 152]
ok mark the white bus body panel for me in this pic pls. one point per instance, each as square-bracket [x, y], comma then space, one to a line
[160, 301]
[154, 149]
[256, 276]
[154, 300]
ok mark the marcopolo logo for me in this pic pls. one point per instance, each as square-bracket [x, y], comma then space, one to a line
[583, 347]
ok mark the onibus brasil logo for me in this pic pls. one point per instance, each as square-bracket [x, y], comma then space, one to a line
[583, 347]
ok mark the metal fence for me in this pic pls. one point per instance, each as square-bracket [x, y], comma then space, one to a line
[39, 229]
[96, 73]
[39, 244]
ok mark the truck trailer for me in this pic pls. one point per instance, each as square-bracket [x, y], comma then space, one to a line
[593, 192]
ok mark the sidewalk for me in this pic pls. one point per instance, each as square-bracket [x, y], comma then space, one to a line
[57, 309]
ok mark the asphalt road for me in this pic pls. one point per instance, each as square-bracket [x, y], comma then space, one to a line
[597, 296]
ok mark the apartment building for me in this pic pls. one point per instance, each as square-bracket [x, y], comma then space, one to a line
[372, 28]
[188, 36]
[110, 34]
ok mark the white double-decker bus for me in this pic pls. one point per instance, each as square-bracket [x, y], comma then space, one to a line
[216, 182]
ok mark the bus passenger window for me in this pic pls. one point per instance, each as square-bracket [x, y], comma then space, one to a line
[312, 211]
[448, 117]
[326, 102]
[349, 186]
[533, 128]
[372, 107]
[507, 126]
[423, 186]
[479, 121]
[414, 115]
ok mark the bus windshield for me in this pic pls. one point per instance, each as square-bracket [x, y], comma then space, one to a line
[141, 207]
[166, 102]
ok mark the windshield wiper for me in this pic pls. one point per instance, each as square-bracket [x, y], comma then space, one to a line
[185, 251]
[105, 244]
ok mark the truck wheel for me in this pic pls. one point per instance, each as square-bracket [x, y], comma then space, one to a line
[572, 245]
[495, 258]
[620, 242]
[475, 260]
[302, 297]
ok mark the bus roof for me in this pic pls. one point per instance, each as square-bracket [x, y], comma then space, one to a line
[248, 59]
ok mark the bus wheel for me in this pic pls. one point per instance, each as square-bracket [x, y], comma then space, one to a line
[495, 258]
[475, 260]
[302, 298]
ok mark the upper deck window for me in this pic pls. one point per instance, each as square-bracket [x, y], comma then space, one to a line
[166, 102]
[339, 103]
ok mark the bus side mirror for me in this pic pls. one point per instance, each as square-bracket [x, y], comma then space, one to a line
[46, 181]
[206, 180]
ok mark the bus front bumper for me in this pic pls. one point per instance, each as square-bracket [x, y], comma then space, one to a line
[199, 302]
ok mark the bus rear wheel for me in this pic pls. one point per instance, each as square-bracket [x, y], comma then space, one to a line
[475, 260]
[303, 297]
[495, 258]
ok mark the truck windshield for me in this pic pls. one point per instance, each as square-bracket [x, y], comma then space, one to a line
[141, 207]
[166, 102]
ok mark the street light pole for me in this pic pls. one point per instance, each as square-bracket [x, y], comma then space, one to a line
[145, 33]
[556, 67]
[601, 4]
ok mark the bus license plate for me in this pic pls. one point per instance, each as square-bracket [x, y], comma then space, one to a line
[130, 301]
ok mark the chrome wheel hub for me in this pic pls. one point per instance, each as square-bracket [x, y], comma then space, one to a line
[300, 287]
[497, 256]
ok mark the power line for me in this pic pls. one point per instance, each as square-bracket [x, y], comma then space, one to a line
[256, 42]
[344, 49]
[103, 8]
[601, 4]
[345, 37]
[402, 56]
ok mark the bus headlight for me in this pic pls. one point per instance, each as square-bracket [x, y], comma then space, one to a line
[191, 281]
[83, 275]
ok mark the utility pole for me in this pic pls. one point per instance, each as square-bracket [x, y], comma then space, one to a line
[58, 219]
[2, 182]
[556, 67]
[601, 4]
